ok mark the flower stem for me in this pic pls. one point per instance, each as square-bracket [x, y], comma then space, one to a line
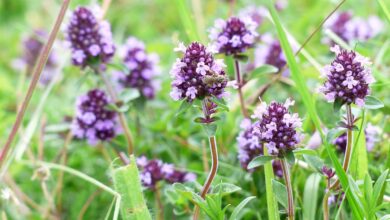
[122, 117]
[287, 179]
[213, 172]
[240, 83]
[325, 205]
[43, 56]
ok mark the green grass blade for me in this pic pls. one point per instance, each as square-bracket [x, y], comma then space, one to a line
[310, 196]
[128, 184]
[359, 163]
[187, 20]
[272, 206]
[385, 10]
[295, 72]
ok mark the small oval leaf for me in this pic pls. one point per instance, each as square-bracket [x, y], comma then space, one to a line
[373, 103]
[260, 161]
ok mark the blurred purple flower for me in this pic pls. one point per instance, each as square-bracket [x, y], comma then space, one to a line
[256, 13]
[277, 127]
[350, 28]
[372, 137]
[233, 36]
[197, 74]
[143, 69]
[91, 40]
[92, 120]
[153, 171]
[347, 78]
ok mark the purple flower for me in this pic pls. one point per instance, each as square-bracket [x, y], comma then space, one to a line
[347, 78]
[351, 28]
[372, 137]
[249, 147]
[197, 74]
[276, 127]
[256, 13]
[142, 69]
[328, 172]
[93, 121]
[90, 39]
[269, 52]
[233, 36]
[153, 171]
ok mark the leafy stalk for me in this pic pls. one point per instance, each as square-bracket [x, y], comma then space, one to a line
[287, 178]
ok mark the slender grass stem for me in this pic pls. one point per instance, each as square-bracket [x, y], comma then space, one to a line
[122, 117]
[240, 84]
[287, 179]
[213, 172]
[43, 56]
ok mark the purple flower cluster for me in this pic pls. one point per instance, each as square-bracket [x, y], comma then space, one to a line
[351, 28]
[347, 78]
[153, 171]
[276, 127]
[197, 74]
[91, 40]
[143, 68]
[233, 36]
[269, 52]
[93, 121]
[256, 13]
[372, 137]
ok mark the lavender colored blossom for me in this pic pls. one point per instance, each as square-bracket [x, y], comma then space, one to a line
[350, 28]
[256, 13]
[197, 74]
[91, 40]
[143, 68]
[347, 78]
[249, 147]
[277, 128]
[328, 172]
[269, 52]
[92, 120]
[153, 171]
[372, 138]
[233, 36]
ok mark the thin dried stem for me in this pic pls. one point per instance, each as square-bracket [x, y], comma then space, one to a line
[35, 77]
[88, 203]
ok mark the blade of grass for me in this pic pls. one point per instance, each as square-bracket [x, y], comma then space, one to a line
[385, 10]
[359, 164]
[310, 196]
[272, 206]
[187, 20]
[295, 73]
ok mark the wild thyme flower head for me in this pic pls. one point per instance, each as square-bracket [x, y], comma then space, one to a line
[91, 40]
[233, 36]
[372, 137]
[277, 127]
[143, 68]
[153, 171]
[347, 78]
[197, 74]
[92, 120]
[269, 52]
[249, 147]
[352, 28]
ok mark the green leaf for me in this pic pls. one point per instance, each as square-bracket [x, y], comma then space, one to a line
[240, 206]
[221, 103]
[210, 129]
[260, 161]
[368, 191]
[296, 74]
[314, 161]
[265, 69]
[114, 107]
[241, 57]
[338, 103]
[128, 95]
[225, 188]
[385, 9]
[183, 107]
[310, 196]
[301, 151]
[359, 163]
[378, 186]
[333, 134]
[290, 157]
[373, 103]
[272, 206]
[128, 184]
[280, 191]
[185, 16]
